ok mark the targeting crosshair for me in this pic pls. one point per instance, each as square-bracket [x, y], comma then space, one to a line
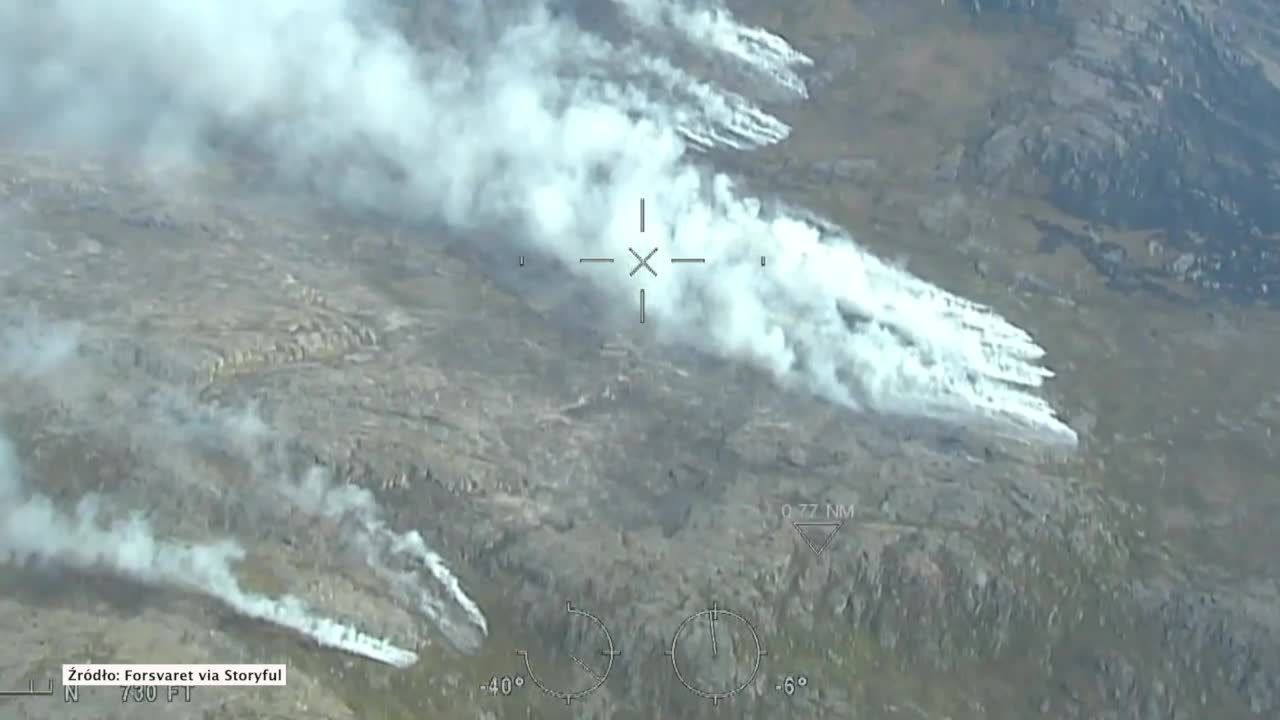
[583, 667]
[726, 649]
[642, 262]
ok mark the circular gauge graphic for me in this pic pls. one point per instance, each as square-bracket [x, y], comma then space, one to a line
[716, 653]
[585, 672]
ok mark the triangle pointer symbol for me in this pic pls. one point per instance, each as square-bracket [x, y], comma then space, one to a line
[819, 534]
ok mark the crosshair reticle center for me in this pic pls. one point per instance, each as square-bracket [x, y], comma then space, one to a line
[643, 262]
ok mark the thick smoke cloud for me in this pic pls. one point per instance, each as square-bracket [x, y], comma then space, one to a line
[549, 134]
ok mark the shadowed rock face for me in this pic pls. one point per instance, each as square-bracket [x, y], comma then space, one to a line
[1160, 116]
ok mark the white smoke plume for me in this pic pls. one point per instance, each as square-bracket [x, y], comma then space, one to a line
[519, 136]
[397, 558]
[715, 29]
[706, 116]
[34, 530]
[455, 612]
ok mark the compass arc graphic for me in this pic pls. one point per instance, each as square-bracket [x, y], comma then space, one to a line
[590, 667]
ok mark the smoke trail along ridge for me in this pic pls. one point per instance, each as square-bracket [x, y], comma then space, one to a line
[456, 614]
[396, 558]
[32, 528]
[715, 30]
[517, 140]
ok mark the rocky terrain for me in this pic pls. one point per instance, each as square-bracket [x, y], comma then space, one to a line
[1104, 174]
[1156, 117]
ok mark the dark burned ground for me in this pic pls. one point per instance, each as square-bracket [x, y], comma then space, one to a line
[551, 460]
